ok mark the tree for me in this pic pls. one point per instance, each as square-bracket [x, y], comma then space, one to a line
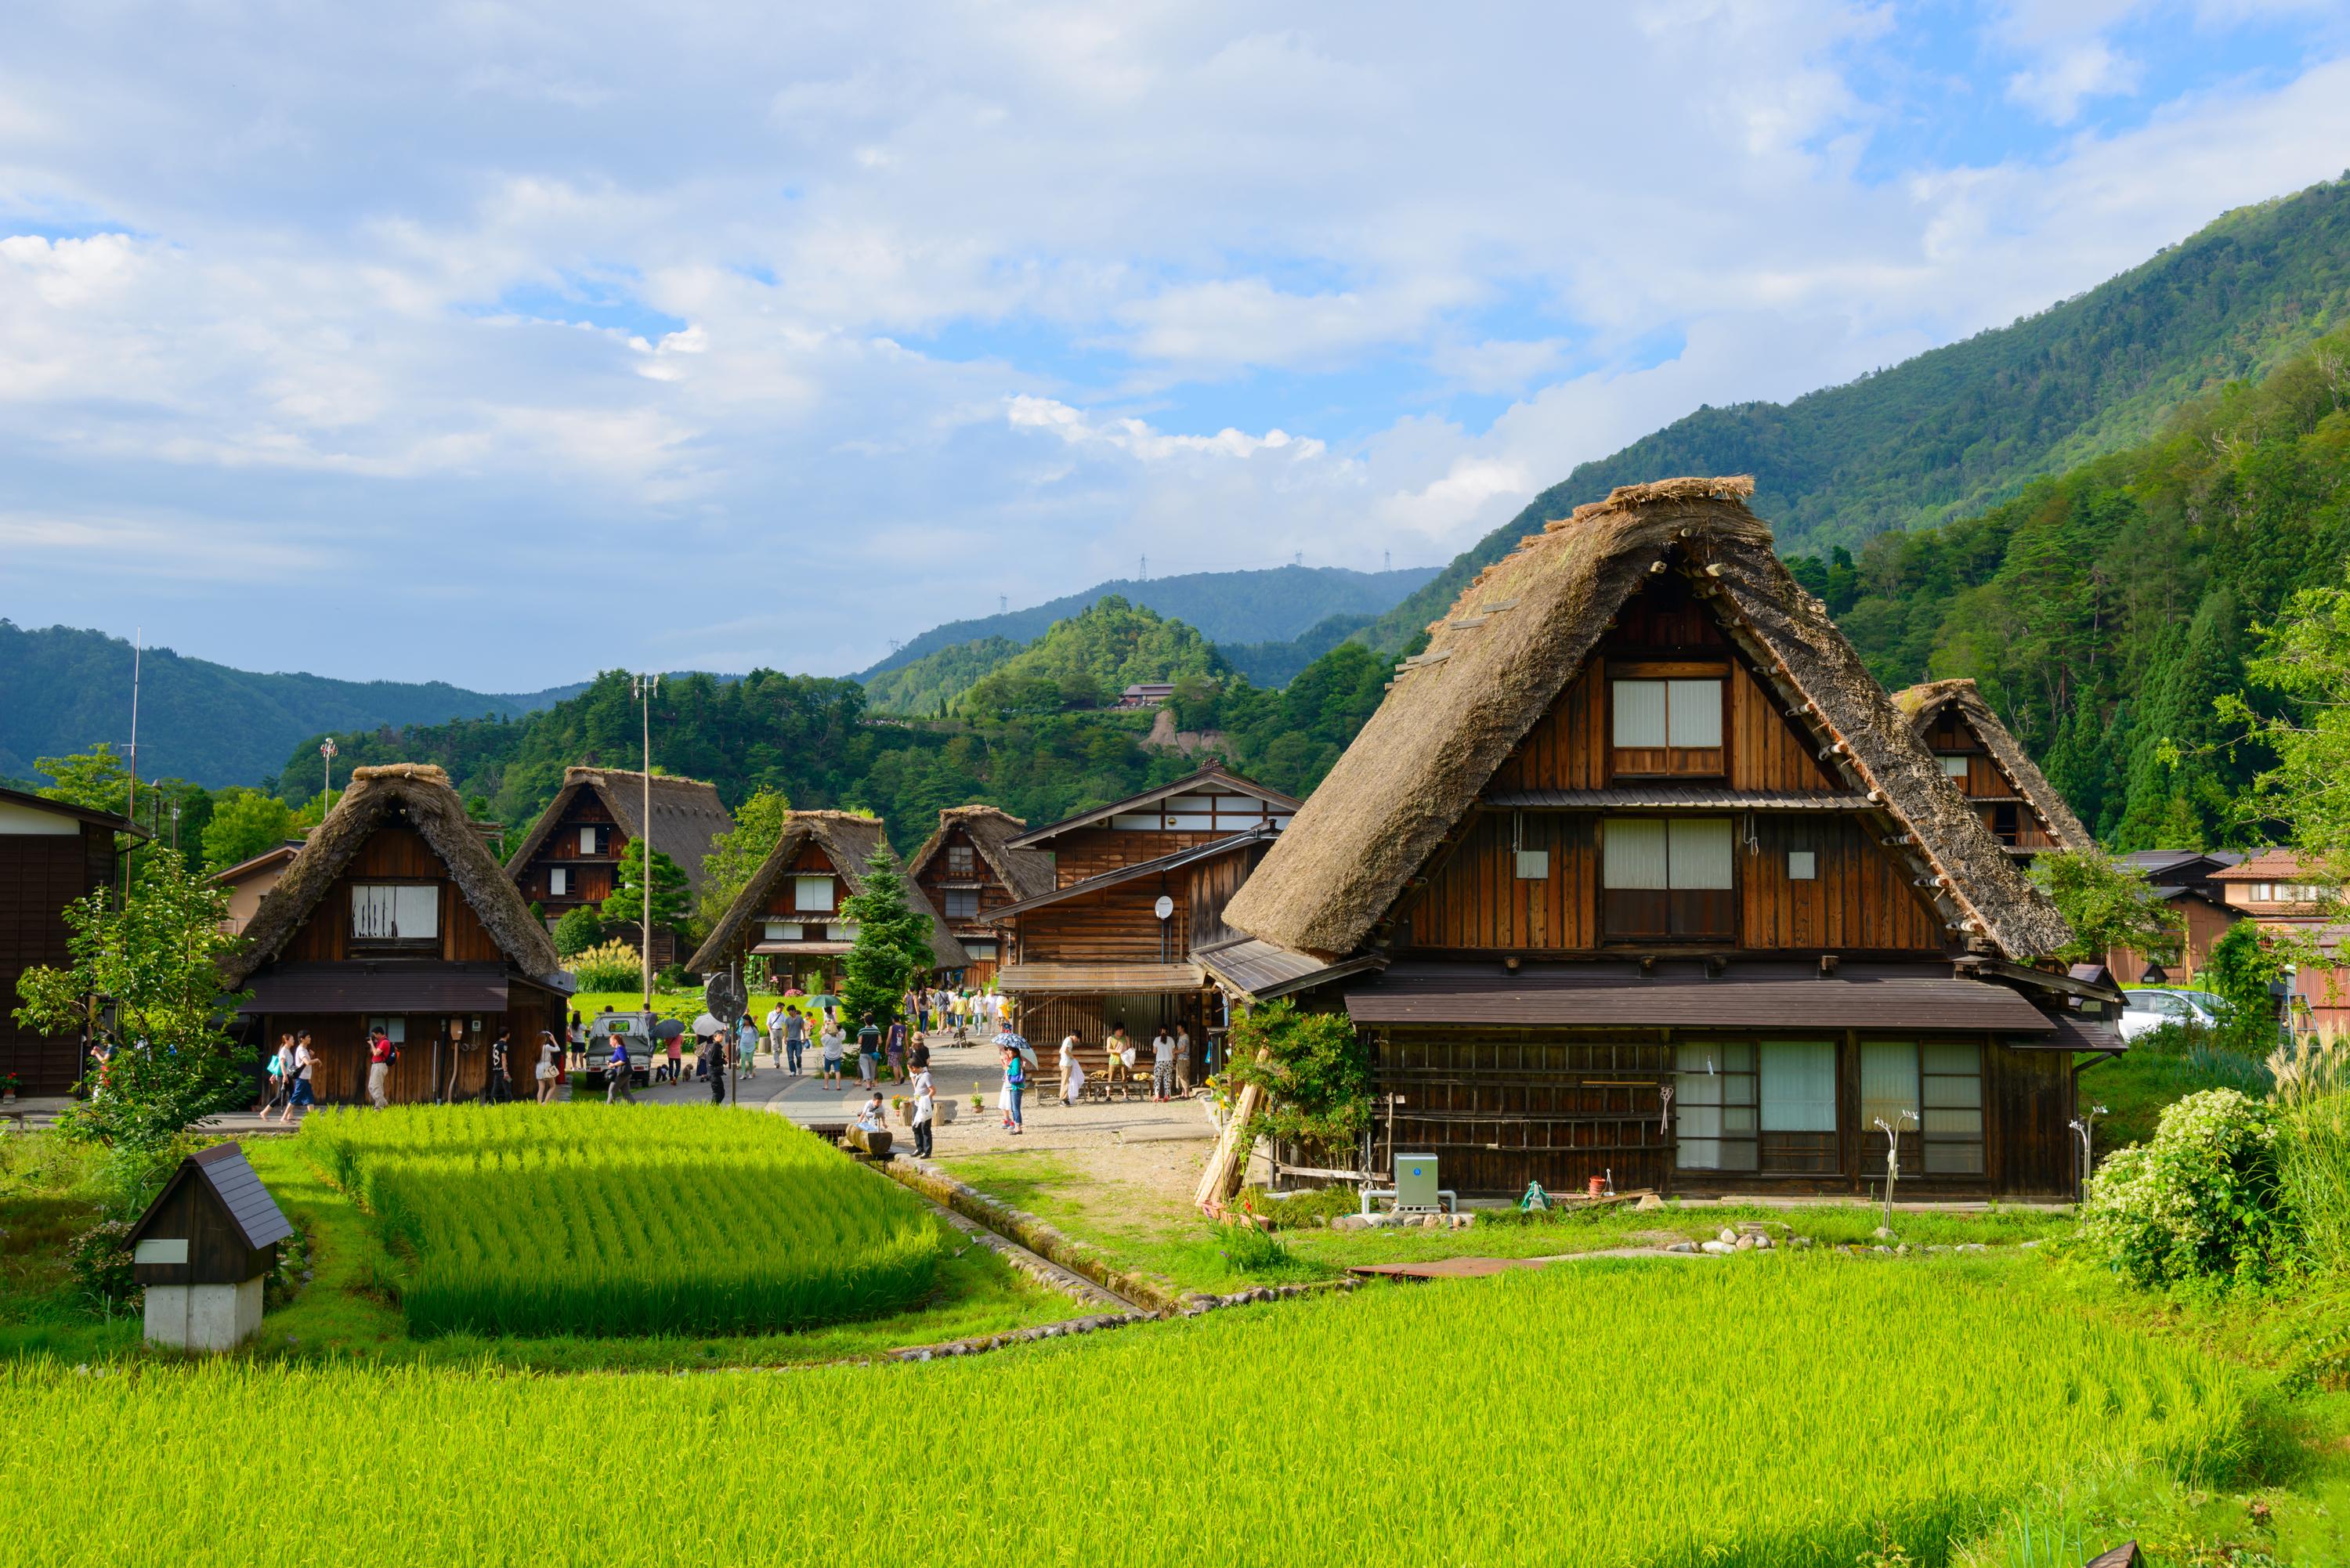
[578, 931]
[2304, 660]
[244, 822]
[2109, 905]
[671, 895]
[1315, 1076]
[733, 856]
[94, 780]
[2244, 963]
[893, 942]
[155, 958]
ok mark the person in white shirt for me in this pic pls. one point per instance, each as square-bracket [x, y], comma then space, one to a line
[835, 1042]
[1162, 1066]
[926, 1103]
[775, 1033]
[1073, 1071]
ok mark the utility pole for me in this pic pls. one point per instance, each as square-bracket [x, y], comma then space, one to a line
[1146, 568]
[138, 648]
[326, 752]
[644, 688]
[1386, 560]
[1003, 604]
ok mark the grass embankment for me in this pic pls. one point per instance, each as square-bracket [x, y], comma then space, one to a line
[1163, 1235]
[2161, 1066]
[1805, 1409]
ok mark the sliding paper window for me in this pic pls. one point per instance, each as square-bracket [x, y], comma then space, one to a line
[1667, 879]
[395, 912]
[1937, 1087]
[1714, 1104]
[1669, 726]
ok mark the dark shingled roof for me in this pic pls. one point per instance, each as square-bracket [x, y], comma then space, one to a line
[224, 1169]
[420, 793]
[687, 814]
[847, 841]
[1524, 629]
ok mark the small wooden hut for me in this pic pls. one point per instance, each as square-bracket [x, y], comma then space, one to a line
[202, 1249]
[571, 854]
[1638, 871]
[967, 870]
[789, 913]
[394, 913]
[2018, 805]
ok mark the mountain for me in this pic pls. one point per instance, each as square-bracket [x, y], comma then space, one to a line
[1963, 428]
[1087, 659]
[66, 689]
[1276, 664]
[932, 683]
[1268, 605]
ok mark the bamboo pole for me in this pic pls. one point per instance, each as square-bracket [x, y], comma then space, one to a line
[1230, 1162]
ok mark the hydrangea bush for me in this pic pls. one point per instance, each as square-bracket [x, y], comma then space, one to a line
[2200, 1201]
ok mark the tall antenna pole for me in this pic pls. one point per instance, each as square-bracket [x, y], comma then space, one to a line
[646, 686]
[138, 648]
[326, 790]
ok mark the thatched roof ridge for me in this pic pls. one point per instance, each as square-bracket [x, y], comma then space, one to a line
[687, 814]
[1923, 703]
[422, 795]
[848, 840]
[1514, 639]
[1024, 872]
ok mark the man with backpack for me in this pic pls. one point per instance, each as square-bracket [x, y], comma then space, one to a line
[382, 1055]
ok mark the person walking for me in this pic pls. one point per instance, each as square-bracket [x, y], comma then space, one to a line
[276, 1064]
[897, 1048]
[618, 1077]
[1162, 1066]
[304, 1094]
[869, 1051]
[382, 1055]
[833, 1043]
[1073, 1071]
[499, 1083]
[775, 1016]
[746, 1048]
[677, 1057]
[926, 1104]
[1182, 1060]
[547, 1074]
[795, 1038]
[721, 1048]
[1016, 1080]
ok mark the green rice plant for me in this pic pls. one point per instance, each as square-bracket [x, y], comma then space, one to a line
[587, 1219]
[1784, 1412]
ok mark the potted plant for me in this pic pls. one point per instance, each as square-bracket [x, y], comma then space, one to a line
[979, 1102]
[7, 1088]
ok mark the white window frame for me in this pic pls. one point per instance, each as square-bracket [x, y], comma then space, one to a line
[818, 882]
[412, 911]
[961, 903]
[1954, 767]
[1689, 711]
[558, 882]
[783, 931]
[587, 841]
[1803, 866]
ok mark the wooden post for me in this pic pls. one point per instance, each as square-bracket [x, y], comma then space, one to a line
[1229, 1164]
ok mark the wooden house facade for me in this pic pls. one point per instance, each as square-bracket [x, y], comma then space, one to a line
[1139, 885]
[969, 871]
[2184, 879]
[789, 912]
[2286, 892]
[571, 856]
[51, 853]
[249, 881]
[2017, 804]
[1638, 873]
[395, 913]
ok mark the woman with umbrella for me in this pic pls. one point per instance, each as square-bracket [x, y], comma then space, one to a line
[1016, 1057]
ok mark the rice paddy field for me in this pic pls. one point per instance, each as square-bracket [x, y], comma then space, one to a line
[584, 1218]
[1788, 1411]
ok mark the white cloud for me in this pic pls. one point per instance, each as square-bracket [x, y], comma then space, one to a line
[2056, 88]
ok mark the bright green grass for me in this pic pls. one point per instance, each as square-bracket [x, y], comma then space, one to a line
[2161, 1066]
[584, 1218]
[1787, 1411]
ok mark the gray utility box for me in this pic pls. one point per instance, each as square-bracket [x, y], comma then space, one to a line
[1415, 1183]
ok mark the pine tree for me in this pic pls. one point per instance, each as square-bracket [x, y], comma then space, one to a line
[671, 895]
[893, 942]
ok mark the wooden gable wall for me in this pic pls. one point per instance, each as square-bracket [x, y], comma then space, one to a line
[591, 877]
[392, 853]
[40, 873]
[1951, 735]
[783, 898]
[936, 879]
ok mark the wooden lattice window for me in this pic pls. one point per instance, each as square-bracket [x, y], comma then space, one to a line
[960, 861]
[1665, 722]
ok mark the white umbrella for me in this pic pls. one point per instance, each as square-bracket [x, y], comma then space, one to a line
[707, 1024]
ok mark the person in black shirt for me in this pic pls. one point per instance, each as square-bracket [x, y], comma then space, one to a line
[499, 1085]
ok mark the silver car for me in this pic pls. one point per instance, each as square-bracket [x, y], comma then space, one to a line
[635, 1030]
[2145, 1010]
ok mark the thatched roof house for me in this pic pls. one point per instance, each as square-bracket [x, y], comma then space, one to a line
[686, 816]
[1527, 624]
[417, 795]
[836, 844]
[1955, 710]
[1022, 872]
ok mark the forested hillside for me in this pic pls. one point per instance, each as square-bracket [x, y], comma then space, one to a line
[931, 684]
[66, 689]
[2106, 610]
[1270, 605]
[1966, 426]
[1087, 659]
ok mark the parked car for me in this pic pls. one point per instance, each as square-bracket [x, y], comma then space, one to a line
[2148, 1010]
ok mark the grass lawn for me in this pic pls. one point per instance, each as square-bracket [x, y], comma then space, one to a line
[686, 1005]
[2161, 1066]
[1169, 1237]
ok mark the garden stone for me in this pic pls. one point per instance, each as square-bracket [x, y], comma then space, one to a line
[1719, 1249]
[1683, 1247]
[1885, 1249]
[1744, 1244]
[1799, 1241]
[1902, 1251]
[1649, 1202]
[1761, 1243]
[1882, 1234]
[1728, 1235]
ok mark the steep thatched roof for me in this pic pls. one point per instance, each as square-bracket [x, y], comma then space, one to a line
[1924, 705]
[1024, 872]
[847, 841]
[414, 794]
[1515, 638]
[687, 814]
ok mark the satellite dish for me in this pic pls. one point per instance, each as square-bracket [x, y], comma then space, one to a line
[1164, 907]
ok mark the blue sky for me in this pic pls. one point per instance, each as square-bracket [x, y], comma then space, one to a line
[415, 343]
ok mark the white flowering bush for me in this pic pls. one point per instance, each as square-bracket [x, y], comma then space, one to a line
[2201, 1201]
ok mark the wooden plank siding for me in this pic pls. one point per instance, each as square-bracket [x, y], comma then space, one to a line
[1500, 1108]
[1568, 748]
[1859, 899]
[939, 878]
[391, 855]
[40, 873]
[339, 1039]
[1089, 851]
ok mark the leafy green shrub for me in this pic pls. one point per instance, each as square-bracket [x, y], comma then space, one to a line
[100, 1258]
[1315, 1076]
[1249, 1251]
[2312, 1086]
[615, 966]
[578, 930]
[1297, 1209]
[2201, 1201]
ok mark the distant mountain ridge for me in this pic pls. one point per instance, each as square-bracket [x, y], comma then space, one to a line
[1961, 428]
[64, 690]
[1272, 604]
